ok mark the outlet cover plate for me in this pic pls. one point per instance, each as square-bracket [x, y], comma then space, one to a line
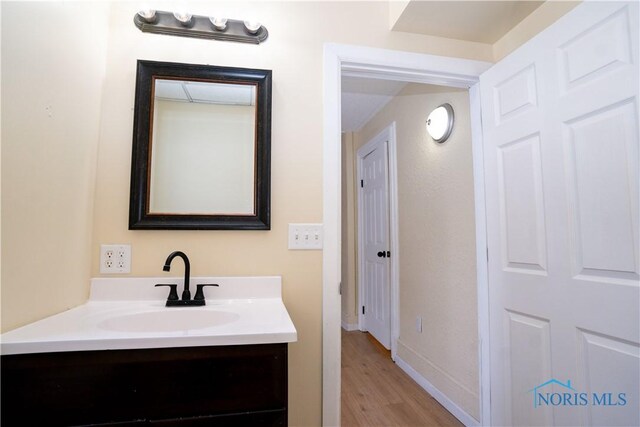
[115, 259]
[305, 236]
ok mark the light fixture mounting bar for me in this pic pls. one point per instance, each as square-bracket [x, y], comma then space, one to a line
[200, 27]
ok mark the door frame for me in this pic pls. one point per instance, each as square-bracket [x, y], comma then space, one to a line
[387, 135]
[358, 61]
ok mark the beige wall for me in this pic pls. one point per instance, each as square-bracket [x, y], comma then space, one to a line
[53, 64]
[217, 143]
[548, 13]
[437, 242]
[349, 276]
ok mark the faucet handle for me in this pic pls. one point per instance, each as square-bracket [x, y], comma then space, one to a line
[200, 293]
[173, 292]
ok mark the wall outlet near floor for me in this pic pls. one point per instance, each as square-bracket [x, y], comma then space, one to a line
[305, 236]
[419, 324]
[115, 259]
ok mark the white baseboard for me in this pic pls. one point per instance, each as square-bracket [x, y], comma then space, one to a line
[449, 405]
[349, 326]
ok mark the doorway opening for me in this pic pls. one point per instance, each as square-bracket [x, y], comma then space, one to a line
[398, 167]
[353, 61]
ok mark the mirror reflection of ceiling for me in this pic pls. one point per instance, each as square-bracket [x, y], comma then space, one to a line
[205, 92]
[476, 21]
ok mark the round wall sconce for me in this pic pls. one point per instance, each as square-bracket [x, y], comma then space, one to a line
[440, 123]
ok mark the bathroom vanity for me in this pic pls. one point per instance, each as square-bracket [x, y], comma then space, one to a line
[125, 359]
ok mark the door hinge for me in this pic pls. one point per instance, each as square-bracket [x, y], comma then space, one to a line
[363, 309]
[340, 288]
[388, 254]
[487, 254]
[362, 183]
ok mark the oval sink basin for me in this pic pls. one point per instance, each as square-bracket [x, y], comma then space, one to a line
[169, 320]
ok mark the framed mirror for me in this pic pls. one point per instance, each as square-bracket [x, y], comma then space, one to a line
[201, 148]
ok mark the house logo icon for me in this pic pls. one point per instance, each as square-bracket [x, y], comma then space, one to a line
[565, 395]
[536, 394]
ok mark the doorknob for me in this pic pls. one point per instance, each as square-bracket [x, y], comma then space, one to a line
[382, 254]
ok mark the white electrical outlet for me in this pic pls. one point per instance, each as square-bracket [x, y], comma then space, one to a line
[115, 259]
[305, 236]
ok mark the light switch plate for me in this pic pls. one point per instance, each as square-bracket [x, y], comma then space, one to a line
[305, 236]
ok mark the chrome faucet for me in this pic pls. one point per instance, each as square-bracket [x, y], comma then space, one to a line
[172, 300]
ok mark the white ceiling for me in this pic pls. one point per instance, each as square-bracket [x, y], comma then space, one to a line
[363, 98]
[477, 21]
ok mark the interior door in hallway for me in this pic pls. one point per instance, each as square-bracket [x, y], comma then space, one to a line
[374, 241]
[560, 124]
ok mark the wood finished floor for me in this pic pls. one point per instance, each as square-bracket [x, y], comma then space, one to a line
[376, 392]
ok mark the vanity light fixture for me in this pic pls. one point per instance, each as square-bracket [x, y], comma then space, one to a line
[440, 123]
[184, 24]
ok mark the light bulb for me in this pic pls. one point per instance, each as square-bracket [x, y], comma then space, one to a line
[252, 26]
[147, 15]
[219, 24]
[183, 17]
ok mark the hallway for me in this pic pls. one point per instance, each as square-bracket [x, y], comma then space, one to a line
[376, 392]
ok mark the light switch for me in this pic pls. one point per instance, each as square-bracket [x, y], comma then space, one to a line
[305, 236]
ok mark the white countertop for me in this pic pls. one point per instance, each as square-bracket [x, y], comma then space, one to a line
[130, 313]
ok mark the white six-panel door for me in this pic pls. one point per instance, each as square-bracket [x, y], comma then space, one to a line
[374, 239]
[560, 124]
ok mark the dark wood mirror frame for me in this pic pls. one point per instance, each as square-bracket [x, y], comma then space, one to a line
[140, 217]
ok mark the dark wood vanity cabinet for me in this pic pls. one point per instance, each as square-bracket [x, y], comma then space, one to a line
[244, 385]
